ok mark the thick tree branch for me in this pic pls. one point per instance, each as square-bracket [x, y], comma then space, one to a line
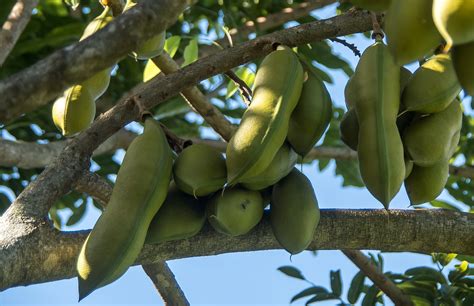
[37, 85]
[198, 100]
[265, 23]
[42, 254]
[14, 25]
[96, 186]
[166, 283]
[377, 277]
[28, 155]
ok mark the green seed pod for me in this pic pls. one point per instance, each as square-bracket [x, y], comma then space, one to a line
[264, 125]
[199, 170]
[349, 126]
[432, 87]
[380, 148]
[454, 20]
[150, 48]
[349, 93]
[140, 189]
[311, 116]
[431, 139]
[410, 30]
[408, 166]
[426, 183]
[372, 5]
[281, 165]
[349, 129]
[464, 66]
[180, 217]
[98, 83]
[294, 212]
[235, 211]
[74, 111]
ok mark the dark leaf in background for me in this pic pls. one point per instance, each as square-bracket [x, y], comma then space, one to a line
[292, 272]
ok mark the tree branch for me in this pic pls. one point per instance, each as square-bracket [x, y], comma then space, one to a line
[378, 278]
[38, 84]
[198, 100]
[14, 25]
[96, 186]
[166, 284]
[265, 23]
[43, 254]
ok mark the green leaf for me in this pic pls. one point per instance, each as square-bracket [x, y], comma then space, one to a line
[426, 274]
[443, 258]
[357, 285]
[309, 291]
[313, 69]
[4, 203]
[349, 170]
[172, 45]
[291, 272]
[171, 108]
[370, 297]
[426, 290]
[54, 7]
[336, 283]
[77, 214]
[150, 71]
[246, 75]
[444, 204]
[321, 297]
[191, 52]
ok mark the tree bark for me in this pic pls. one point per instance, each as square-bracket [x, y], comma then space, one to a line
[43, 254]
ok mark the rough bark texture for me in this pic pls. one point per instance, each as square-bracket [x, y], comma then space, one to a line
[42, 254]
[166, 284]
[14, 25]
[45, 80]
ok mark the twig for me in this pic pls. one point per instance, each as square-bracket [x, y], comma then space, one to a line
[14, 25]
[377, 33]
[166, 283]
[198, 100]
[377, 277]
[96, 186]
[175, 142]
[344, 42]
[243, 87]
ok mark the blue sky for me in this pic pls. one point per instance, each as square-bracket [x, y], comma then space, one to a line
[243, 278]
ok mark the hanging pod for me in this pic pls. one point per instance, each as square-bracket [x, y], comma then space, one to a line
[235, 211]
[432, 87]
[180, 217]
[140, 189]
[425, 184]
[410, 30]
[463, 61]
[377, 102]
[433, 138]
[150, 48]
[294, 212]
[265, 123]
[311, 116]
[454, 20]
[199, 170]
[281, 165]
[99, 82]
[74, 111]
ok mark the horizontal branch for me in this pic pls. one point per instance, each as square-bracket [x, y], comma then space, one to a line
[38, 84]
[44, 254]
